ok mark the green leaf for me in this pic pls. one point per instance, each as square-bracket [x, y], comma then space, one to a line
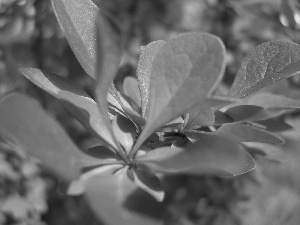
[41, 136]
[150, 183]
[248, 133]
[266, 64]
[242, 113]
[131, 90]
[144, 69]
[184, 73]
[76, 100]
[115, 199]
[78, 20]
[125, 131]
[203, 114]
[210, 154]
[268, 100]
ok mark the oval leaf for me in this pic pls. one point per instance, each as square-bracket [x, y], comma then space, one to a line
[210, 154]
[116, 200]
[266, 64]
[76, 100]
[184, 73]
[41, 136]
[131, 90]
[242, 113]
[248, 133]
[78, 21]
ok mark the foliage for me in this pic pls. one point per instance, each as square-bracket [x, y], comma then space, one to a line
[170, 120]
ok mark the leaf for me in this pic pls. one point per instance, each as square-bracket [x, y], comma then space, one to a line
[76, 100]
[40, 136]
[103, 153]
[274, 125]
[131, 89]
[184, 73]
[210, 154]
[268, 100]
[116, 200]
[203, 114]
[248, 133]
[144, 69]
[77, 187]
[125, 131]
[148, 182]
[266, 64]
[78, 21]
[244, 113]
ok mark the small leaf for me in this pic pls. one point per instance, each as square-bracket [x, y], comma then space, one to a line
[144, 69]
[203, 114]
[210, 154]
[266, 64]
[116, 200]
[125, 131]
[131, 90]
[148, 182]
[78, 20]
[248, 133]
[268, 100]
[103, 153]
[76, 100]
[243, 113]
[40, 136]
[184, 73]
[274, 125]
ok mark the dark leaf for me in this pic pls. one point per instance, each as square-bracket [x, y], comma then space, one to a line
[210, 154]
[266, 64]
[76, 100]
[243, 113]
[116, 200]
[125, 131]
[41, 136]
[150, 183]
[131, 89]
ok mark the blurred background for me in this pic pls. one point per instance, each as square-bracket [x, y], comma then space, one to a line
[31, 37]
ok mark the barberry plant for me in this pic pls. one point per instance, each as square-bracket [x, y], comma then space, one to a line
[169, 120]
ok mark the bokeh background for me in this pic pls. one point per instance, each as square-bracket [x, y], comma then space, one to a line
[31, 37]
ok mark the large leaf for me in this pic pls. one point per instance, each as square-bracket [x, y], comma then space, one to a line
[184, 73]
[269, 100]
[78, 20]
[144, 69]
[76, 100]
[248, 133]
[210, 154]
[116, 200]
[266, 64]
[41, 136]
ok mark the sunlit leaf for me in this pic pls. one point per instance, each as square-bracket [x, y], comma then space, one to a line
[210, 154]
[78, 20]
[41, 136]
[248, 133]
[76, 100]
[184, 73]
[115, 199]
[266, 64]
[125, 131]
[131, 89]
[144, 69]
[150, 183]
